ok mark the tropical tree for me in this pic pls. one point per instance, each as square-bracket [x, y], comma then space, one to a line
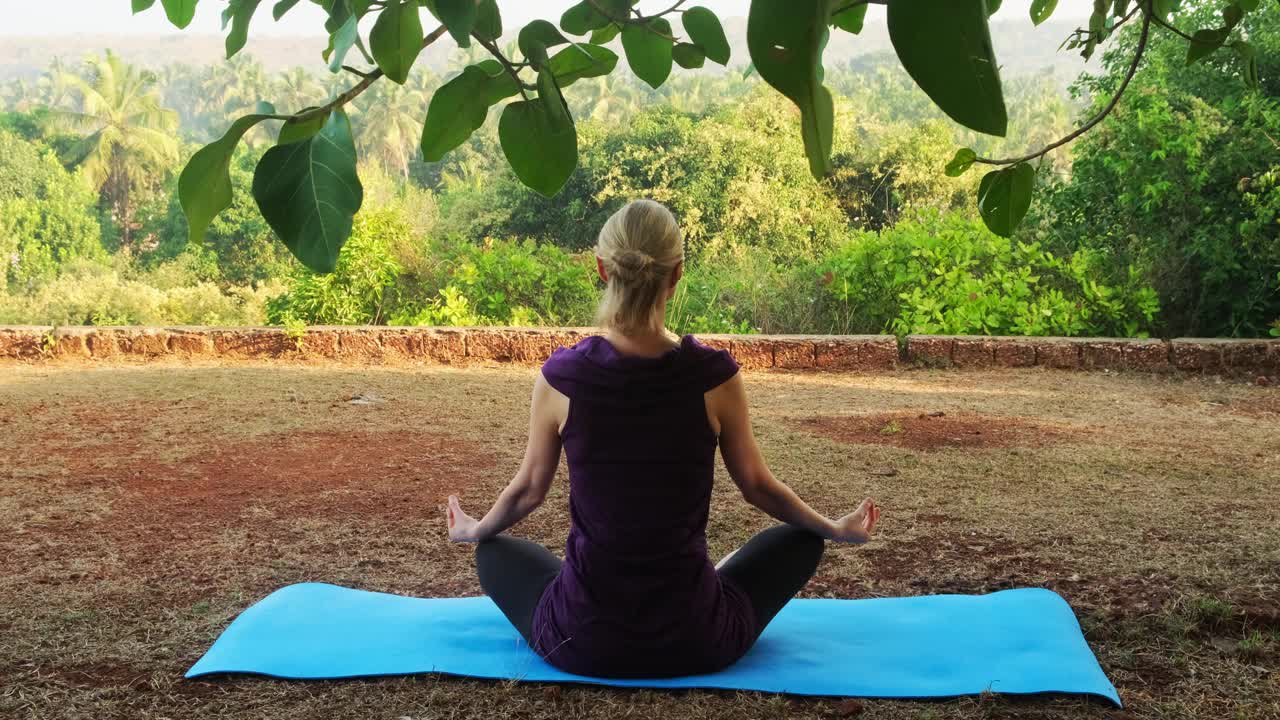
[298, 89]
[391, 129]
[127, 139]
[944, 45]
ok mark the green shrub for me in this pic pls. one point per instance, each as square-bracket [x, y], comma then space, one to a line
[359, 290]
[89, 293]
[948, 274]
[48, 216]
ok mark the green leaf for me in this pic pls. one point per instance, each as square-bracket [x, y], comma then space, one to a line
[785, 39]
[582, 19]
[851, 19]
[282, 7]
[1248, 5]
[179, 12]
[961, 162]
[292, 132]
[140, 5]
[534, 40]
[241, 13]
[946, 48]
[648, 51]
[459, 16]
[396, 39]
[341, 40]
[1041, 10]
[688, 56]
[1250, 59]
[993, 6]
[204, 187]
[1004, 196]
[541, 147]
[488, 20]
[605, 34]
[1205, 43]
[704, 30]
[308, 192]
[581, 60]
[1232, 15]
[460, 107]
[749, 70]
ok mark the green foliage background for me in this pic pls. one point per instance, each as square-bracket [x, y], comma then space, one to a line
[1162, 221]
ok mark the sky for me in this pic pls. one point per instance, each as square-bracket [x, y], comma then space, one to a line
[68, 17]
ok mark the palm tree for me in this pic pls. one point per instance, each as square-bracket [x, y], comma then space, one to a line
[127, 138]
[389, 134]
[298, 89]
[232, 89]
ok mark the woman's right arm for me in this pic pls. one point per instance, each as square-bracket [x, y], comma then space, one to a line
[727, 405]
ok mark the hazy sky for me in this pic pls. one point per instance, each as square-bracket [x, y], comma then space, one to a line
[112, 16]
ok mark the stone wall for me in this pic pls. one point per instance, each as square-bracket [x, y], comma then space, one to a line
[459, 346]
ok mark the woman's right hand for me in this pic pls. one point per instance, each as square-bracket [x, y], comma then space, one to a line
[857, 527]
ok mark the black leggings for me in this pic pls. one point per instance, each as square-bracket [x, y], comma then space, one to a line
[771, 568]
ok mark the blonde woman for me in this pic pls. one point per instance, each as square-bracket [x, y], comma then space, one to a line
[639, 414]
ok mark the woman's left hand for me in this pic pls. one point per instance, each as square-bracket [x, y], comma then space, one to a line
[462, 527]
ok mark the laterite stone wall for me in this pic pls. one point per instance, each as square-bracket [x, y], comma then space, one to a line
[530, 346]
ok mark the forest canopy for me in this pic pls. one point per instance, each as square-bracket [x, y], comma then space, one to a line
[1159, 220]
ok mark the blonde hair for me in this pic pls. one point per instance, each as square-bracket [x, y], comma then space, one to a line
[640, 246]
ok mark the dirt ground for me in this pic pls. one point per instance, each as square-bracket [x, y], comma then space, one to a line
[144, 506]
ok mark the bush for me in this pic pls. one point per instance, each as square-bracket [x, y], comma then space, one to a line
[89, 293]
[47, 215]
[360, 290]
[951, 275]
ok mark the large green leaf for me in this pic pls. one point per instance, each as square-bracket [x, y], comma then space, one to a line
[341, 39]
[581, 60]
[396, 39]
[960, 164]
[946, 48]
[1004, 196]
[140, 5]
[460, 107]
[280, 8]
[179, 12]
[292, 132]
[850, 19]
[488, 20]
[540, 142]
[1042, 9]
[308, 192]
[459, 16]
[688, 55]
[1204, 43]
[705, 31]
[582, 19]
[786, 39]
[204, 187]
[241, 13]
[605, 34]
[534, 40]
[648, 50]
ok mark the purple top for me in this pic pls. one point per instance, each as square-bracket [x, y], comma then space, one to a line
[637, 595]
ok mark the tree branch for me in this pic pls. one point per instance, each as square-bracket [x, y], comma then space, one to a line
[1168, 26]
[492, 47]
[640, 20]
[1115, 100]
[354, 91]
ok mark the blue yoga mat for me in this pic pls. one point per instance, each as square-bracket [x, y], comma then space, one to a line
[1015, 641]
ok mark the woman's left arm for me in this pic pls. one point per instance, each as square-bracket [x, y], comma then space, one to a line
[529, 487]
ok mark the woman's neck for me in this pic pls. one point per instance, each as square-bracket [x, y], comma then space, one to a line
[653, 343]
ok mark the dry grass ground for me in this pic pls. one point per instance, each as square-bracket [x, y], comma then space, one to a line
[144, 506]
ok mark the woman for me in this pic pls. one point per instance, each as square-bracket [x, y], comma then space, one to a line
[639, 414]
